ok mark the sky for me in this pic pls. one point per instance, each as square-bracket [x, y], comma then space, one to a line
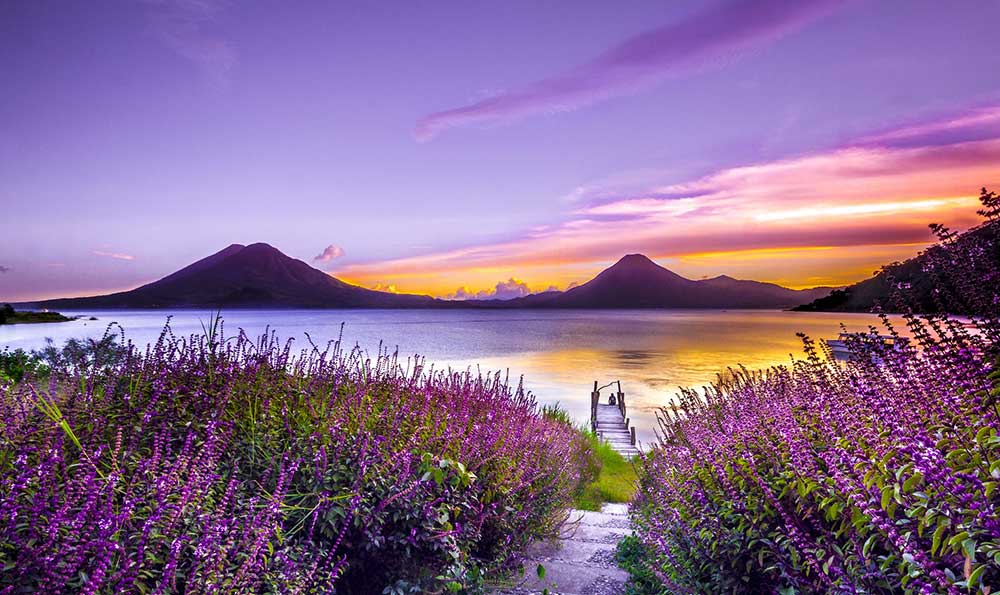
[489, 149]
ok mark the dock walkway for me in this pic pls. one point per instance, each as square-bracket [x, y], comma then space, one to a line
[611, 422]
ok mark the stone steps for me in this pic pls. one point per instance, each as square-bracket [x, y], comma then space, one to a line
[581, 560]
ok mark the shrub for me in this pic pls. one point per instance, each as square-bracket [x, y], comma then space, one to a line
[876, 476]
[15, 365]
[207, 464]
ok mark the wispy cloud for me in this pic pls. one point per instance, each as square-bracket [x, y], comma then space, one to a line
[5, 269]
[873, 192]
[115, 255]
[977, 123]
[329, 253]
[714, 36]
[184, 27]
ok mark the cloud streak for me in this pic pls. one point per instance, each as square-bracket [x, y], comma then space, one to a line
[711, 37]
[5, 269]
[115, 255]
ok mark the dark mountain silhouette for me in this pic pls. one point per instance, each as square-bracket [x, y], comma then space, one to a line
[260, 276]
[253, 276]
[635, 281]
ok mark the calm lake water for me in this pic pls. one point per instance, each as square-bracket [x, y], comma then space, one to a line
[559, 353]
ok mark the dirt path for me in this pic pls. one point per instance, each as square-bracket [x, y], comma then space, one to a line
[582, 560]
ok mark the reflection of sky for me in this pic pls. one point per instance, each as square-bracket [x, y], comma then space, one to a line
[560, 354]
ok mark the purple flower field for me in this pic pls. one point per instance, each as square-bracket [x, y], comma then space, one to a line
[875, 476]
[207, 464]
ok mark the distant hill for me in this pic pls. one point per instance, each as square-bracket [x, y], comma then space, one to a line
[635, 281]
[260, 276]
[254, 276]
[910, 285]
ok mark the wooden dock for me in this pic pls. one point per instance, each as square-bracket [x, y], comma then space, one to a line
[609, 421]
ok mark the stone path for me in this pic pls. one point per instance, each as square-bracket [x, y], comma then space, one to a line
[582, 560]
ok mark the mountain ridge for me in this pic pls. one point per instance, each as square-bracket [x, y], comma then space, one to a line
[261, 276]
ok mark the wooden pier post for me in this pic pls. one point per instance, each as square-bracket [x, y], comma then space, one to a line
[609, 421]
[594, 398]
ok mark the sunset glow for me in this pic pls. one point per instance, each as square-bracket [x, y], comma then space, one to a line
[512, 150]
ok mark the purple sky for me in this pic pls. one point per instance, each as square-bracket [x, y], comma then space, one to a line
[375, 140]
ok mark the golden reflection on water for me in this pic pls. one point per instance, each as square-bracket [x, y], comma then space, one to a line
[559, 353]
[681, 351]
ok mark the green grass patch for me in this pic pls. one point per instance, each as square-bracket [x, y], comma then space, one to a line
[615, 483]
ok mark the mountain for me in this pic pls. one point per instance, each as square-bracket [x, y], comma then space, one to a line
[260, 276]
[635, 281]
[254, 276]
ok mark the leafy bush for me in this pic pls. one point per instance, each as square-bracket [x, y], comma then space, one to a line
[208, 464]
[82, 353]
[875, 476]
[632, 556]
[15, 365]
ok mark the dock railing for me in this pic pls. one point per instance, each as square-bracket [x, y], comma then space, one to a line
[595, 400]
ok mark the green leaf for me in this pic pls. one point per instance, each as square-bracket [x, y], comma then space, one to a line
[936, 539]
[540, 571]
[976, 576]
[969, 545]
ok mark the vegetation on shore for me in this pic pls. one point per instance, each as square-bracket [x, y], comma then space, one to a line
[878, 476]
[10, 316]
[915, 284]
[610, 477]
[615, 481]
[233, 465]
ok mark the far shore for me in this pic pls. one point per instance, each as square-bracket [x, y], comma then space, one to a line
[10, 316]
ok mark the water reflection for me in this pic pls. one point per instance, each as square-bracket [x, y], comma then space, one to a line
[560, 354]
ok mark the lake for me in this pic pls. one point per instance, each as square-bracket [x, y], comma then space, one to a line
[559, 353]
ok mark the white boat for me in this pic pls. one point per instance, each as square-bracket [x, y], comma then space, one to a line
[839, 346]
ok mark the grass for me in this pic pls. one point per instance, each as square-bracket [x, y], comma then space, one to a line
[616, 482]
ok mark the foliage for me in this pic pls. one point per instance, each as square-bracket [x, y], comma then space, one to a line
[82, 354]
[19, 364]
[614, 482]
[229, 465]
[632, 556]
[15, 365]
[584, 443]
[875, 476]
